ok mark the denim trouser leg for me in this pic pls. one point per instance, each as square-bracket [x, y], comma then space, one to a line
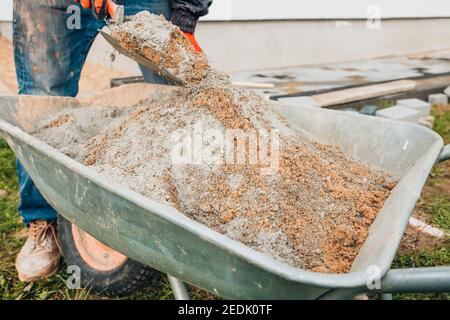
[49, 58]
[156, 7]
[32, 205]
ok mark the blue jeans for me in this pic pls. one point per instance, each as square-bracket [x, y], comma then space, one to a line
[49, 58]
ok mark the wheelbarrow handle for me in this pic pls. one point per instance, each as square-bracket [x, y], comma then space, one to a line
[417, 280]
[445, 154]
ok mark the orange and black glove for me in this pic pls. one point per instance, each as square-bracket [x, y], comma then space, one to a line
[193, 41]
[186, 18]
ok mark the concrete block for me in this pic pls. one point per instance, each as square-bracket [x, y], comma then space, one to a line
[350, 110]
[423, 107]
[437, 99]
[300, 102]
[426, 228]
[400, 113]
[369, 110]
[447, 91]
[427, 122]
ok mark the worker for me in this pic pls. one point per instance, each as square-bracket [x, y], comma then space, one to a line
[49, 57]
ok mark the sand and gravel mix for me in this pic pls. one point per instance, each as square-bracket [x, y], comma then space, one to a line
[288, 196]
[164, 44]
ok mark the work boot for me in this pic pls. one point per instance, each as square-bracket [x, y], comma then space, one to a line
[40, 255]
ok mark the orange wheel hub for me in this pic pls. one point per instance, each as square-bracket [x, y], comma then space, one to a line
[96, 254]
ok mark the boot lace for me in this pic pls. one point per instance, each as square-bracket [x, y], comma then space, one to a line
[38, 231]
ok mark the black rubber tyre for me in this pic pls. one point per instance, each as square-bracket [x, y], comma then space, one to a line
[125, 280]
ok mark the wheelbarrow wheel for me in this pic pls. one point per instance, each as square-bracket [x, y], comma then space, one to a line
[103, 270]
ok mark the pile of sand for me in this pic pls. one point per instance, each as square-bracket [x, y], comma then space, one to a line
[70, 130]
[299, 201]
[162, 43]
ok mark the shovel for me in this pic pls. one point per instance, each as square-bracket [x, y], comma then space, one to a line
[142, 60]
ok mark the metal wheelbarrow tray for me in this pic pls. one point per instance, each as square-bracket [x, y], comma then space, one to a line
[161, 237]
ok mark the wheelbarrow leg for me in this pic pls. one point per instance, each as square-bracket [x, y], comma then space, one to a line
[179, 288]
[386, 296]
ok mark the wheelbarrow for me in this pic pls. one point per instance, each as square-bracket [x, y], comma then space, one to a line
[137, 233]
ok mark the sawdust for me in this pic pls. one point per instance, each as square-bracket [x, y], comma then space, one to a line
[303, 203]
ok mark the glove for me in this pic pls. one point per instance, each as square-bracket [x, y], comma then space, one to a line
[193, 41]
[100, 8]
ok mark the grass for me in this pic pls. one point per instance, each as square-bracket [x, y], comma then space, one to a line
[434, 203]
[438, 189]
[426, 257]
[436, 193]
[11, 240]
[434, 206]
[438, 209]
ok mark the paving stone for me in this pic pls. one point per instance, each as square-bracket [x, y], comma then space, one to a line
[426, 228]
[437, 99]
[425, 123]
[423, 107]
[369, 110]
[400, 113]
[350, 110]
[300, 102]
[447, 91]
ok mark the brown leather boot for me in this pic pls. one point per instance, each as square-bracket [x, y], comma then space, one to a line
[40, 255]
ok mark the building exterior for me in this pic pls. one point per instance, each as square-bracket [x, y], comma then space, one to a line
[258, 34]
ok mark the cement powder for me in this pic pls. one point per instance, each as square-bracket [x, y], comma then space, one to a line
[163, 43]
[69, 130]
[312, 212]
[152, 31]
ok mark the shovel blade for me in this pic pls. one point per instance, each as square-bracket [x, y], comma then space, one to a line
[142, 60]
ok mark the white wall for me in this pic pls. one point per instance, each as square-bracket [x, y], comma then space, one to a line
[298, 32]
[251, 45]
[297, 42]
[6, 10]
[325, 9]
[306, 9]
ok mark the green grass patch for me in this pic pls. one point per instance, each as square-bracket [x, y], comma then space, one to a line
[442, 121]
[438, 208]
[424, 258]
[9, 218]
[437, 204]
[385, 103]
